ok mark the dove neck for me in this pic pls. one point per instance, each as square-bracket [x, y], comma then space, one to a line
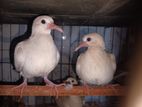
[95, 48]
[37, 31]
[40, 33]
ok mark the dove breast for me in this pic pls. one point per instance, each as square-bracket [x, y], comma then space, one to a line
[36, 57]
[95, 67]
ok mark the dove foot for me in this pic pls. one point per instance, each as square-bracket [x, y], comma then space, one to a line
[53, 85]
[86, 88]
[22, 86]
[112, 86]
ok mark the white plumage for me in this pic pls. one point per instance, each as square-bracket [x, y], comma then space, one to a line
[70, 101]
[95, 66]
[38, 56]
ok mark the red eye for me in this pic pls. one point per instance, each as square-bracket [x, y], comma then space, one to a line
[88, 39]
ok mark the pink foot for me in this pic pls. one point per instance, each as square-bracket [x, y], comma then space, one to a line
[53, 85]
[22, 86]
[112, 86]
[86, 88]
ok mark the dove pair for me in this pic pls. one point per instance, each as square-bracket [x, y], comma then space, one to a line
[38, 56]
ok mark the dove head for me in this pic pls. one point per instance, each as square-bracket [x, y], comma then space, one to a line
[71, 81]
[44, 24]
[92, 40]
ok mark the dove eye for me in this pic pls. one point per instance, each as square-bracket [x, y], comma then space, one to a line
[43, 21]
[88, 39]
[72, 81]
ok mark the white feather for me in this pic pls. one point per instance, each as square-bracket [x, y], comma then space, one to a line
[38, 55]
[96, 66]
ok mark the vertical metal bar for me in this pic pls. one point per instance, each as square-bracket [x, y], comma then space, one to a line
[1, 64]
[69, 63]
[19, 35]
[79, 39]
[120, 42]
[104, 36]
[2, 51]
[52, 33]
[112, 39]
[96, 29]
[61, 59]
[9, 60]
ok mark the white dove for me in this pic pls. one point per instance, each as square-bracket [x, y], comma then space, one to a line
[38, 56]
[70, 101]
[95, 66]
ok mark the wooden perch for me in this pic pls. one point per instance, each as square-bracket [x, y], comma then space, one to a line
[34, 90]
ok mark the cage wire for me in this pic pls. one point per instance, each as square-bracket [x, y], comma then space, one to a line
[115, 41]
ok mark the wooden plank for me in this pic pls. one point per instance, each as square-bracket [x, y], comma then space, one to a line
[34, 90]
[74, 20]
[72, 12]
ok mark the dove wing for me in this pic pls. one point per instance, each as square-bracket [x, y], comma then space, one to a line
[113, 60]
[19, 57]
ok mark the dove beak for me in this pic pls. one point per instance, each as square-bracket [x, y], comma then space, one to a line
[53, 26]
[81, 45]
